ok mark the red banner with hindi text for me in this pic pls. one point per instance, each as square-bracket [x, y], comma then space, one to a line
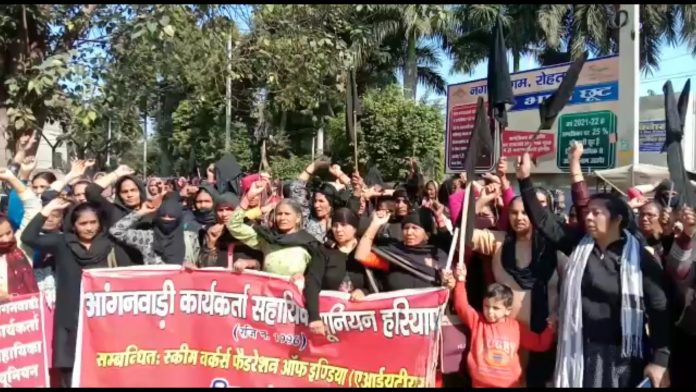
[24, 356]
[164, 327]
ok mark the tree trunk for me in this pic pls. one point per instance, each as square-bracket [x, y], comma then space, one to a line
[516, 57]
[283, 120]
[5, 150]
[615, 33]
[264, 159]
[411, 68]
[320, 141]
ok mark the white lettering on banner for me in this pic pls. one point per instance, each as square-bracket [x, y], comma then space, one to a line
[215, 303]
[154, 302]
[339, 320]
[19, 328]
[13, 374]
[20, 306]
[404, 321]
[19, 350]
[272, 310]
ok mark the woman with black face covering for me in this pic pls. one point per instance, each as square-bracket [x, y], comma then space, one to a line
[84, 244]
[202, 216]
[129, 195]
[167, 242]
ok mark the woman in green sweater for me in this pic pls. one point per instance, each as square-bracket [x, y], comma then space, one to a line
[288, 249]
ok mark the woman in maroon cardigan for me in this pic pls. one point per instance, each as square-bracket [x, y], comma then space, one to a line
[16, 273]
[18, 278]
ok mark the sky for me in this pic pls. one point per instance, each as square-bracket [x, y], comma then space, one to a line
[677, 64]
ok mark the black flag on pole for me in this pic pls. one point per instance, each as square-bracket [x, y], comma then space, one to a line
[499, 85]
[481, 143]
[553, 105]
[675, 114]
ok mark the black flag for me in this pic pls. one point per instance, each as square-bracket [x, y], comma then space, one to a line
[499, 85]
[480, 144]
[552, 106]
[675, 113]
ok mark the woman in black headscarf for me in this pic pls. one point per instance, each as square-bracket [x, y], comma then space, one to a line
[666, 196]
[218, 247]
[392, 229]
[202, 215]
[166, 242]
[317, 210]
[84, 244]
[410, 263]
[129, 195]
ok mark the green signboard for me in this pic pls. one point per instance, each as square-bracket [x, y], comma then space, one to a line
[597, 133]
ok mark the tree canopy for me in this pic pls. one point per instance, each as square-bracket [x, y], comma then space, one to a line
[97, 67]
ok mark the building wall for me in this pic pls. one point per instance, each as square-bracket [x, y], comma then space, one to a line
[43, 154]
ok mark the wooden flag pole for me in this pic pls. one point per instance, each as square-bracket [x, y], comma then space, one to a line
[671, 192]
[354, 89]
[453, 247]
[463, 223]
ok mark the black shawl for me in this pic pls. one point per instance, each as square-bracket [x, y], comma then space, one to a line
[421, 263]
[101, 244]
[534, 277]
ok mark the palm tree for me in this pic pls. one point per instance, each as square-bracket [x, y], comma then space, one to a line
[593, 27]
[468, 40]
[379, 69]
[412, 24]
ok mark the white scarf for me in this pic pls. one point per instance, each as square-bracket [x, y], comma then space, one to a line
[569, 356]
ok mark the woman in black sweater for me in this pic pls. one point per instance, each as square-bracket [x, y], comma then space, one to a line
[129, 194]
[83, 244]
[343, 272]
[610, 288]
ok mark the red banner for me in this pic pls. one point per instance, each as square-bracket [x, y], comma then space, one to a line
[515, 143]
[23, 353]
[158, 327]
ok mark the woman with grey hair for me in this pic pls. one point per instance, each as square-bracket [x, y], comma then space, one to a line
[288, 249]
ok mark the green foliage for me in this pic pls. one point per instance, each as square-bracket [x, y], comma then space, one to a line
[289, 168]
[90, 65]
[393, 128]
[199, 129]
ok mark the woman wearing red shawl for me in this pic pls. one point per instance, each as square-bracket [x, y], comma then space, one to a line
[16, 273]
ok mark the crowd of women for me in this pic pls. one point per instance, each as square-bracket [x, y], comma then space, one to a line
[602, 296]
